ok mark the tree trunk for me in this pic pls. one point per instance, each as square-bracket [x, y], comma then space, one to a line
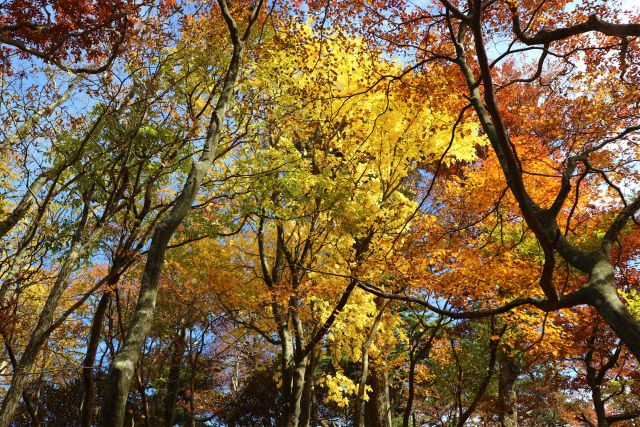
[594, 379]
[173, 387]
[379, 406]
[314, 414]
[507, 396]
[288, 417]
[598, 405]
[359, 410]
[193, 362]
[293, 379]
[602, 295]
[88, 377]
[307, 392]
[298, 387]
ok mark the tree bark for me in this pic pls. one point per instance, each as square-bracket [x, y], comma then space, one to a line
[88, 377]
[507, 394]
[359, 410]
[314, 414]
[173, 387]
[308, 391]
[379, 406]
[598, 405]
[602, 295]
[293, 380]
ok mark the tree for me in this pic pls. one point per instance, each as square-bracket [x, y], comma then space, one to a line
[245, 219]
[455, 36]
[56, 31]
[330, 202]
[101, 175]
[121, 370]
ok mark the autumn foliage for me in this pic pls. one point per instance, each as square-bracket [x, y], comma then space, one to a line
[300, 214]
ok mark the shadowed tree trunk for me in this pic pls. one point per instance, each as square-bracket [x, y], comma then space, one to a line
[378, 407]
[595, 377]
[88, 377]
[308, 392]
[359, 411]
[507, 395]
[173, 387]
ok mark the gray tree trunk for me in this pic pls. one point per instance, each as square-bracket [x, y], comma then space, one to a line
[598, 405]
[293, 380]
[306, 414]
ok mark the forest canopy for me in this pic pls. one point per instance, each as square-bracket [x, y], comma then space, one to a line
[319, 213]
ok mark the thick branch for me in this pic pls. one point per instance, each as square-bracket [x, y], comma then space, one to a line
[593, 23]
[623, 417]
[569, 300]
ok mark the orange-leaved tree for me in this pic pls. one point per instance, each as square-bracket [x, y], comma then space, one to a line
[585, 126]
